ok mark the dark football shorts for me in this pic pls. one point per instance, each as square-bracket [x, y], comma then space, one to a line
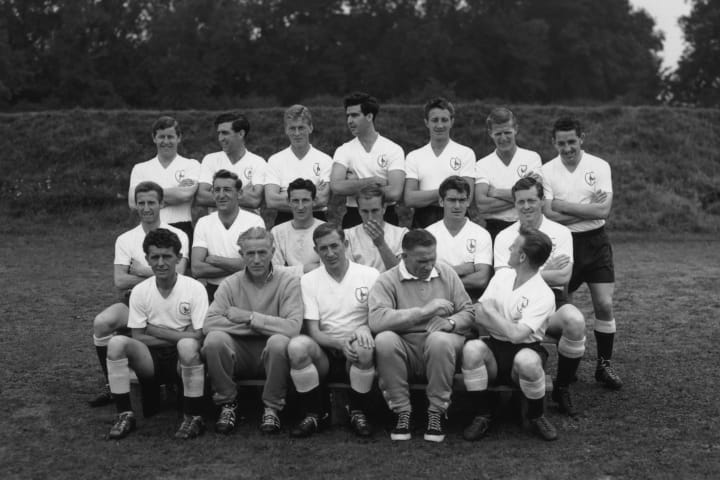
[504, 353]
[165, 364]
[593, 258]
[337, 365]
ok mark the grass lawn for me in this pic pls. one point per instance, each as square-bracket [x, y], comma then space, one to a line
[663, 424]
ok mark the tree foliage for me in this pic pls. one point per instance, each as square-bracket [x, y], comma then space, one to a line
[208, 53]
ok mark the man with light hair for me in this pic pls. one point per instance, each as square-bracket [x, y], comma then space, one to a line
[299, 160]
[250, 322]
[496, 173]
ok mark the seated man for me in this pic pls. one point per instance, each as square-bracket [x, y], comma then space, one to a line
[131, 268]
[293, 239]
[215, 254]
[374, 243]
[166, 317]
[251, 320]
[462, 244]
[567, 324]
[418, 311]
[338, 339]
[514, 309]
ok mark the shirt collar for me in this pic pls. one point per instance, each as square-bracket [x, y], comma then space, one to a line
[405, 275]
[267, 279]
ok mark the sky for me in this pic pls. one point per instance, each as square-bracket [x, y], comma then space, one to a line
[666, 14]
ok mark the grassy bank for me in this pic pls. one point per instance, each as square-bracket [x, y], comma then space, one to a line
[76, 164]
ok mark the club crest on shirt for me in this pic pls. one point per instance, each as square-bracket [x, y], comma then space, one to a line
[184, 308]
[590, 178]
[522, 304]
[316, 169]
[522, 170]
[554, 246]
[455, 163]
[471, 245]
[361, 294]
[248, 173]
[179, 176]
[382, 161]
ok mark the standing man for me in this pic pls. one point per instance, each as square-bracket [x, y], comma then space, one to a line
[515, 310]
[167, 312]
[462, 244]
[374, 242]
[428, 166]
[177, 175]
[567, 323]
[299, 160]
[293, 239]
[255, 313]
[338, 342]
[232, 132]
[130, 268]
[578, 187]
[215, 252]
[419, 312]
[367, 159]
[497, 173]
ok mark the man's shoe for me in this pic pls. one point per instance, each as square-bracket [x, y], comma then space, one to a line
[561, 395]
[124, 424]
[477, 429]
[270, 421]
[307, 426]
[227, 419]
[192, 426]
[401, 431]
[605, 373]
[359, 423]
[435, 431]
[103, 398]
[543, 428]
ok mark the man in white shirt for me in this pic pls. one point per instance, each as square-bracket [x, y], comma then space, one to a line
[515, 309]
[374, 242]
[215, 252]
[367, 159]
[338, 343]
[496, 173]
[462, 244]
[177, 175]
[166, 316]
[299, 160]
[567, 324]
[293, 239]
[578, 187]
[232, 132]
[130, 267]
[428, 166]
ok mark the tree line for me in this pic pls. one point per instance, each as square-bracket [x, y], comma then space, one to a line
[213, 53]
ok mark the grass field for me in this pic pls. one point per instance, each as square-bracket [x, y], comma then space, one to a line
[663, 424]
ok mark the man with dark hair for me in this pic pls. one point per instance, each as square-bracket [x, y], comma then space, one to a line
[462, 244]
[567, 323]
[232, 132]
[497, 173]
[215, 252]
[293, 239]
[419, 312]
[299, 160]
[177, 175]
[367, 159]
[428, 166]
[130, 268]
[515, 309]
[578, 187]
[374, 242]
[338, 343]
[166, 316]
[251, 320]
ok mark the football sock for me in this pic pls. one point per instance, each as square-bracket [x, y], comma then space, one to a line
[361, 380]
[311, 402]
[475, 379]
[604, 337]
[101, 350]
[570, 353]
[118, 376]
[122, 402]
[305, 379]
[536, 407]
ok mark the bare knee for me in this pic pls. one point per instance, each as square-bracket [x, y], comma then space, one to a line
[527, 364]
[189, 351]
[109, 320]
[298, 350]
[365, 357]
[571, 322]
[117, 347]
[474, 354]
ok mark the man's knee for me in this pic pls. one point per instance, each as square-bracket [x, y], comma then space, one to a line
[570, 321]
[109, 320]
[386, 342]
[365, 357]
[214, 342]
[440, 343]
[117, 346]
[189, 351]
[277, 346]
[298, 350]
[474, 354]
[528, 364]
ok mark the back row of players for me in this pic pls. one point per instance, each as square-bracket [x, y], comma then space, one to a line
[575, 190]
